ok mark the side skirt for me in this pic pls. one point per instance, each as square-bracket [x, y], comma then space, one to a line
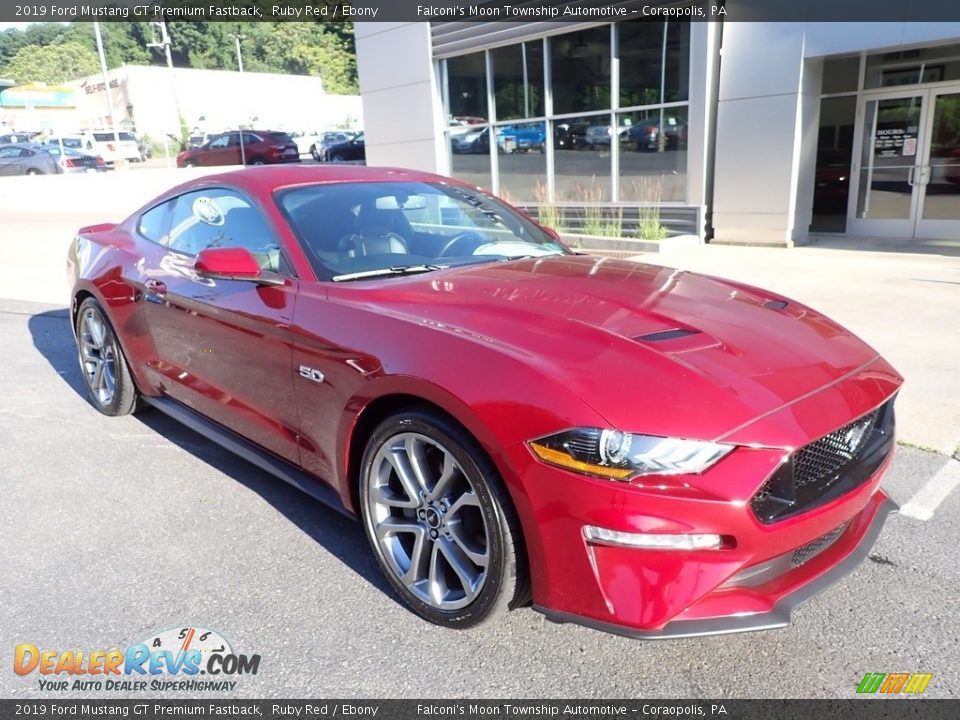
[238, 445]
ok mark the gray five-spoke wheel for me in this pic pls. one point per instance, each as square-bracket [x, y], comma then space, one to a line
[98, 356]
[427, 521]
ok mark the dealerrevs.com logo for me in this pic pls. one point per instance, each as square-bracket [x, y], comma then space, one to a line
[189, 659]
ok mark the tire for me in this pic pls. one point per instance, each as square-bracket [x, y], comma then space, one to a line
[336, 157]
[417, 536]
[257, 161]
[110, 387]
[314, 154]
[190, 163]
[33, 171]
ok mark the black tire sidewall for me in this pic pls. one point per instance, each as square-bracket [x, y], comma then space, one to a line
[500, 583]
[125, 394]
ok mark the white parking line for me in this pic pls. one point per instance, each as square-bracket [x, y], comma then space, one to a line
[926, 500]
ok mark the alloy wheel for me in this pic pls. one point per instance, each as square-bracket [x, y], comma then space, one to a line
[427, 521]
[98, 356]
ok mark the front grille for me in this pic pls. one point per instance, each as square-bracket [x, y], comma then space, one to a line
[818, 463]
[813, 548]
[828, 467]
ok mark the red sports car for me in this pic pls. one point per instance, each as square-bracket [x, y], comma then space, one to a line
[639, 449]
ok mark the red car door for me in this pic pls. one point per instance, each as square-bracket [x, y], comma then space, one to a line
[223, 347]
[222, 150]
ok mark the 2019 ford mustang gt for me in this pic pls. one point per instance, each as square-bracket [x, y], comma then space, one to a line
[647, 451]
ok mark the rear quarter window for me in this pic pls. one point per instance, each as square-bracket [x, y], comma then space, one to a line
[153, 223]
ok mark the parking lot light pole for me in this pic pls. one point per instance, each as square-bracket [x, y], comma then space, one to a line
[165, 44]
[237, 37]
[106, 85]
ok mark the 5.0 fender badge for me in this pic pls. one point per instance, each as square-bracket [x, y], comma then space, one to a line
[310, 374]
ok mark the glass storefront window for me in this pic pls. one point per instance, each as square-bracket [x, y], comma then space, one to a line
[910, 67]
[580, 66]
[641, 50]
[470, 156]
[649, 134]
[834, 153]
[518, 80]
[653, 155]
[523, 171]
[676, 76]
[581, 159]
[467, 87]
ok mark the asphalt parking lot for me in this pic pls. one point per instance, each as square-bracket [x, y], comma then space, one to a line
[114, 529]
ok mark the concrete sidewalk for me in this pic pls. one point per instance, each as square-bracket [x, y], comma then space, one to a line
[905, 305]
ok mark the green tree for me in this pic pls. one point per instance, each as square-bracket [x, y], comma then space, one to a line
[51, 64]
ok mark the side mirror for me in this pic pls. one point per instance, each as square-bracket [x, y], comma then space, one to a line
[233, 264]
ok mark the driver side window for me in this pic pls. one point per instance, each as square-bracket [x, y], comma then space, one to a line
[217, 217]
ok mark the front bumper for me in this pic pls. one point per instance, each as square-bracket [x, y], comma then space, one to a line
[750, 580]
[856, 541]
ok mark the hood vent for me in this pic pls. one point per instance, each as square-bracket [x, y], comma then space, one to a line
[663, 335]
[775, 304]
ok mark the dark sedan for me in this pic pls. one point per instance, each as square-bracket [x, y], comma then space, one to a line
[348, 150]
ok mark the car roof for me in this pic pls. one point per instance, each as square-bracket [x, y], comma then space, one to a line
[269, 178]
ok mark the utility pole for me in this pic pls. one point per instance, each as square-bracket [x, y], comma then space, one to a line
[106, 85]
[165, 44]
[237, 37]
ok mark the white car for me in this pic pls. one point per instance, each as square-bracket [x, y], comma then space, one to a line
[305, 141]
[102, 143]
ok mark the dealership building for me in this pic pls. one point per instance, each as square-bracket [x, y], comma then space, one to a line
[740, 132]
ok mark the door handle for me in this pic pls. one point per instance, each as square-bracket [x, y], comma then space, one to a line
[154, 287]
[910, 173]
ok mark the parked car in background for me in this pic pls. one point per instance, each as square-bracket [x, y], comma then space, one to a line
[529, 136]
[305, 140]
[326, 139]
[569, 136]
[650, 136]
[478, 141]
[75, 161]
[352, 149]
[198, 139]
[253, 147]
[112, 148]
[20, 136]
[26, 159]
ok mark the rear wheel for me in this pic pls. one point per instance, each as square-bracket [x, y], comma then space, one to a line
[33, 171]
[190, 163]
[258, 161]
[439, 520]
[105, 372]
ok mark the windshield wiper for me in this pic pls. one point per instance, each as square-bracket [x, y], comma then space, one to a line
[382, 272]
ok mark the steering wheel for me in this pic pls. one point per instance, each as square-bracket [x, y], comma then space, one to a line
[459, 238]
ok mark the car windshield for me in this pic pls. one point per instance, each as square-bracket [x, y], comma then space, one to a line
[357, 231]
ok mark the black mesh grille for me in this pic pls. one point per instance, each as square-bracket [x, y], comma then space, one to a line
[815, 547]
[828, 467]
[818, 462]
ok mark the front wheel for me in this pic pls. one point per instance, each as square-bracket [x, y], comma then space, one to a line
[105, 372]
[440, 522]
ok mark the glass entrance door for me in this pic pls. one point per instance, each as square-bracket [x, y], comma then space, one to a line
[887, 194]
[939, 174]
[907, 175]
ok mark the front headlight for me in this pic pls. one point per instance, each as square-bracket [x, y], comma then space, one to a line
[619, 455]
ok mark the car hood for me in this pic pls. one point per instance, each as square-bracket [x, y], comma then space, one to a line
[652, 349]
